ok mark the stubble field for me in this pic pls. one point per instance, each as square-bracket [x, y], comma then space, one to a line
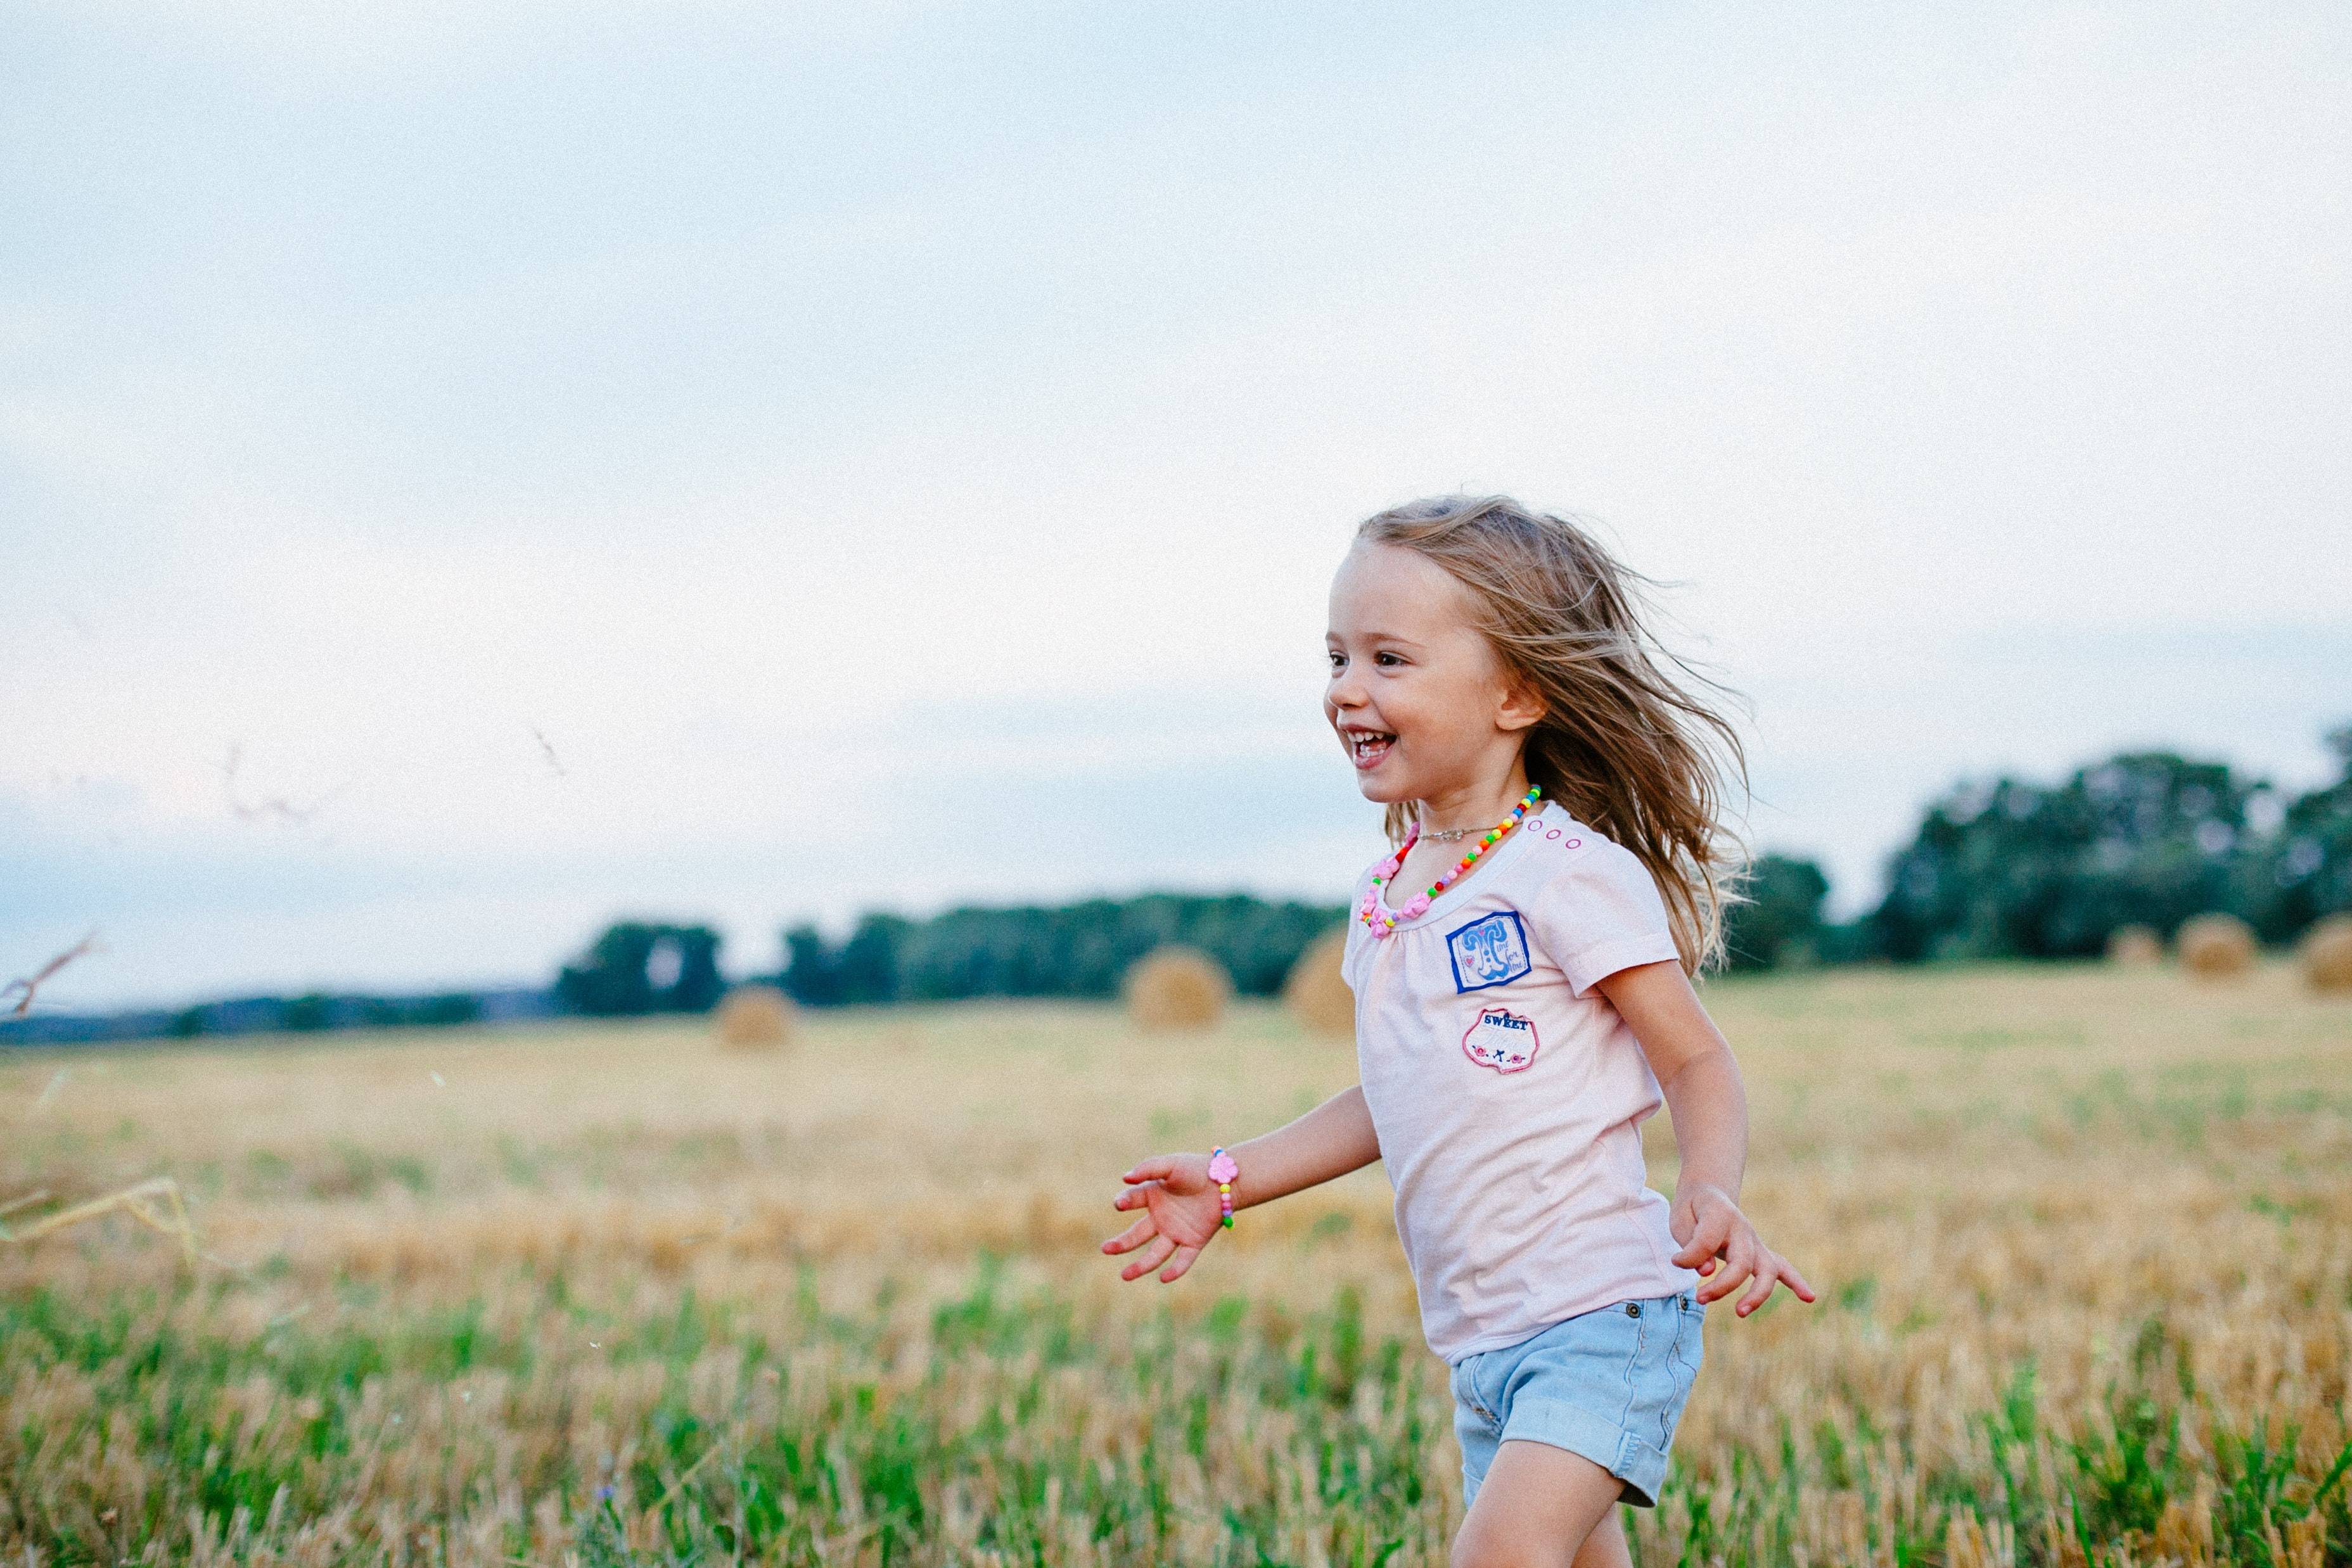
[609, 1294]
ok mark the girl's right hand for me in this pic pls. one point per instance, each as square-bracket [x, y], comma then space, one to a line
[1181, 1214]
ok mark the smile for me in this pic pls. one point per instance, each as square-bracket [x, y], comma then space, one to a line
[1368, 747]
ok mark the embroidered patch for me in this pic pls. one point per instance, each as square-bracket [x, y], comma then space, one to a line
[1501, 1039]
[1492, 951]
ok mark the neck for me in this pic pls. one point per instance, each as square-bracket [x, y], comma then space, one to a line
[1478, 805]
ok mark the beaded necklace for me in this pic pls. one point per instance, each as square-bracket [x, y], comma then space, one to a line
[1382, 921]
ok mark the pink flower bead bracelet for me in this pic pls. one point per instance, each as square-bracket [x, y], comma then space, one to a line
[1224, 1172]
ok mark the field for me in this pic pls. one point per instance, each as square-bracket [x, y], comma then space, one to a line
[609, 1294]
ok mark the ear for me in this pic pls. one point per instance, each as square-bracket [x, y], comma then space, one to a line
[1519, 707]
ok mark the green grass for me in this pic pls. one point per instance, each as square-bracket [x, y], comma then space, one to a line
[849, 1426]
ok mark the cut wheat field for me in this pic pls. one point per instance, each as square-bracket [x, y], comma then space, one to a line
[601, 1294]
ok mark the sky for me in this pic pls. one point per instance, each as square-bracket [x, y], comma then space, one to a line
[469, 471]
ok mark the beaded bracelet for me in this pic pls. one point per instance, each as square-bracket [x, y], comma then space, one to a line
[1222, 1170]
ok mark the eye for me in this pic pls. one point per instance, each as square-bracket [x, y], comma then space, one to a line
[1386, 661]
[1339, 661]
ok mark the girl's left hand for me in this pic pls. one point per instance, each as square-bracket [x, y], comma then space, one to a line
[1719, 1242]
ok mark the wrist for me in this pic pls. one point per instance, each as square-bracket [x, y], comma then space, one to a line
[1224, 1171]
[1249, 1177]
[1695, 1192]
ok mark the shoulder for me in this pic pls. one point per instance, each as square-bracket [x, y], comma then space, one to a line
[1563, 850]
[1592, 904]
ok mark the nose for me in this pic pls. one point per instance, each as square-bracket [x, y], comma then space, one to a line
[1346, 690]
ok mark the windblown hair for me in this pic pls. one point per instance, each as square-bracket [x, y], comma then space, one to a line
[1631, 740]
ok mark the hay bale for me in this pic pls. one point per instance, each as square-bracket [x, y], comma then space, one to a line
[2134, 947]
[1315, 993]
[1177, 987]
[753, 1018]
[2326, 950]
[2215, 946]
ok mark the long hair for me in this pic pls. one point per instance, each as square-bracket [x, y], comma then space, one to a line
[1631, 739]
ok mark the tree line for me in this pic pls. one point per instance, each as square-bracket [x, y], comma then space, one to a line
[2021, 868]
[2013, 868]
[1072, 950]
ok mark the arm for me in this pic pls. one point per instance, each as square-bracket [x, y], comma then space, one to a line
[1703, 1088]
[1182, 1214]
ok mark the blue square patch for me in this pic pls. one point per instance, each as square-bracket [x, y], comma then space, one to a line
[1489, 951]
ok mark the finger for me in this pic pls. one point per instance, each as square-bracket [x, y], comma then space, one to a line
[1738, 1264]
[1804, 1292]
[1133, 1237]
[1767, 1276]
[1177, 1264]
[1159, 1168]
[1153, 1255]
[1133, 1196]
[1701, 1254]
[1705, 1243]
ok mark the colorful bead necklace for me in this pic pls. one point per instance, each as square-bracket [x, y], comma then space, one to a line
[1383, 921]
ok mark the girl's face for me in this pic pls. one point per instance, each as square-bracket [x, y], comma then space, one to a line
[1418, 697]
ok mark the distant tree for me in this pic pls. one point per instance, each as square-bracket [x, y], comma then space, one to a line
[866, 971]
[308, 1013]
[447, 1010]
[2019, 870]
[430, 1012]
[812, 974]
[637, 967]
[1072, 950]
[2302, 872]
[1780, 921]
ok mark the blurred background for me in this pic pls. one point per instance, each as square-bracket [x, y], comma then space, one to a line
[473, 474]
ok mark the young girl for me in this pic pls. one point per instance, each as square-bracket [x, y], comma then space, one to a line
[1521, 968]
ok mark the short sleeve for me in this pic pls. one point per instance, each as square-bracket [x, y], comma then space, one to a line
[1600, 912]
[1352, 953]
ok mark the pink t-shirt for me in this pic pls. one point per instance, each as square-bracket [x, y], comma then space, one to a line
[1509, 1095]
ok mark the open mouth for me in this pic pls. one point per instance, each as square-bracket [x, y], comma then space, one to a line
[1369, 748]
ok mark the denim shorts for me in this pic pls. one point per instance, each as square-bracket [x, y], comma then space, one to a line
[1608, 1385]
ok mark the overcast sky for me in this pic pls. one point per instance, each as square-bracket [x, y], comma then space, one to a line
[760, 463]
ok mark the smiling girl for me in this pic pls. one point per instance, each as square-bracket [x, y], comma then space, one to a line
[1522, 965]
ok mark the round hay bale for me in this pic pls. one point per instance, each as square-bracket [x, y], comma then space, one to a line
[2134, 947]
[1177, 987]
[753, 1018]
[1315, 994]
[2328, 954]
[2215, 946]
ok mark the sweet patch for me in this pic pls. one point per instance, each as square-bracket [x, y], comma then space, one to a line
[1501, 1039]
[1490, 951]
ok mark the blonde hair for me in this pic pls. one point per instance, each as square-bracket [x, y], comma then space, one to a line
[1628, 741]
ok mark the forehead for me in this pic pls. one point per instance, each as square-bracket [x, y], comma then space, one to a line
[1389, 590]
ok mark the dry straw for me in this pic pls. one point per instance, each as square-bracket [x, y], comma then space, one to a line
[1316, 994]
[154, 1202]
[753, 1018]
[2215, 946]
[2134, 947]
[2327, 955]
[1177, 987]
